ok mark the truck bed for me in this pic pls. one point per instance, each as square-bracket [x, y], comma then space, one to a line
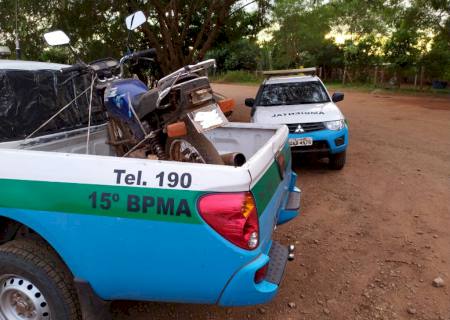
[245, 138]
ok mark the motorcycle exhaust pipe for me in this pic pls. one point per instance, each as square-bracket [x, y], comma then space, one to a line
[236, 159]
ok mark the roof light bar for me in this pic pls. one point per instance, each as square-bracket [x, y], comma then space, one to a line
[272, 73]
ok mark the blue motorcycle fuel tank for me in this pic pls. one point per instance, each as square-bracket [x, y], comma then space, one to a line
[118, 99]
[119, 96]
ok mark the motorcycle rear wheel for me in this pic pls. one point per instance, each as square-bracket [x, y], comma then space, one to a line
[194, 147]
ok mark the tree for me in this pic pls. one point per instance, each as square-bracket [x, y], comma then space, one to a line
[242, 54]
[300, 39]
[437, 60]
[181, 31]
[30, 26]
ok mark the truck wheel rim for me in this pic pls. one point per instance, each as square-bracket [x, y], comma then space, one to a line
[20, 299]
[182, 150]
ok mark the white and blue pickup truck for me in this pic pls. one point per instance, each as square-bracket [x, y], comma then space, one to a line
[78, 230]
[316, 125]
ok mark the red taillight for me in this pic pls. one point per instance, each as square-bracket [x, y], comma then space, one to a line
[233, 216]
[260, 275]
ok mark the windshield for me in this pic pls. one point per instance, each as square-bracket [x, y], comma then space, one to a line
[292, 93]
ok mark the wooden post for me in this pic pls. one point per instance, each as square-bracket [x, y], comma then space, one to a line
[415, 81]
[344, 74]
[375, 76]
[421, 77]
[270, 59]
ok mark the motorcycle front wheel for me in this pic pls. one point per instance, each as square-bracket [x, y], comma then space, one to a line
[194, 147]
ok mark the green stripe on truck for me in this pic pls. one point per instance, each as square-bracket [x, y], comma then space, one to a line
[170, 205]
[265, 188]
[102, 200]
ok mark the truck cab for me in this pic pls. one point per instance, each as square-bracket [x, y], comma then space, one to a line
[316, 124]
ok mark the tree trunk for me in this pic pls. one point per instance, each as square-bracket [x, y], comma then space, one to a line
[174, 47]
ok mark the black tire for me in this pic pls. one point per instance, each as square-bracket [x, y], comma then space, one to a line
[337, 161]
[34, 261]
[202, 145]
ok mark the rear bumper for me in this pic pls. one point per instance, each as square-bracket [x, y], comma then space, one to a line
[325, 142]
[291, 207]
[242, 289]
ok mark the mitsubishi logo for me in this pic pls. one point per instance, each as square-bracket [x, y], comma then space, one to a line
[299, 129]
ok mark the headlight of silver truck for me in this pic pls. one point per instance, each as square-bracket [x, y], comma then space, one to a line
[335, 125]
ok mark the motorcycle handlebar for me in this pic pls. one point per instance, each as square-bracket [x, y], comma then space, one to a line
[143, 53]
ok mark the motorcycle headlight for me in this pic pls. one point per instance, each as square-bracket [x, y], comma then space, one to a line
[335, 125]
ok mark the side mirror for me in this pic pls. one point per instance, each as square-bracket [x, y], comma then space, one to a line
[56, 38]
[135, 20]
[337, 96]
[250, 102]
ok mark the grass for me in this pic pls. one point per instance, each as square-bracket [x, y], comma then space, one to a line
[249, 77]
[245, 77]
[404, 89]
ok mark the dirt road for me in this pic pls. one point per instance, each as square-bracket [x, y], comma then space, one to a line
[372, 237]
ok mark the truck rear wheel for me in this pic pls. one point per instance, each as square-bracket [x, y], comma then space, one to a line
[337, 161]
[35, 284]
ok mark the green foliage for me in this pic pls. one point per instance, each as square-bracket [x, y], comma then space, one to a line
[389, 32]
[400, 49]
[363, 52]
[438, 59]
[55, 55]
[181, 31]
[239, 76]
[301, 37]
[300, 40]
[239, 55]
[383, 31]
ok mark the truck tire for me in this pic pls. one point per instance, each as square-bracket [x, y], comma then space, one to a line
[35, 283]
[193, 147]
[337, 161]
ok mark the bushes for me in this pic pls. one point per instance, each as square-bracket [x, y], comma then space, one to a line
[238, 76]
[238, 55]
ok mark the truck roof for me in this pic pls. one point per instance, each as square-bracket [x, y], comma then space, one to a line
[29, 65]
[290, 79]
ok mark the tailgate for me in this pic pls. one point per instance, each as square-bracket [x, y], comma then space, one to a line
[273, 185]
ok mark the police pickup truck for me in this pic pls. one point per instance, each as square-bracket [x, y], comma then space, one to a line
[316, 125]
[78, 230]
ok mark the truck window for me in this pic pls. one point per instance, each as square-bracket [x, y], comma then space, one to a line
[292, 93]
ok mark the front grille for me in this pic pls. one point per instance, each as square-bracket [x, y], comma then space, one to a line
[307, 127]
[320, 146]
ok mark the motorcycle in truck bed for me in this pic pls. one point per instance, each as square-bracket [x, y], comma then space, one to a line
[79, 229]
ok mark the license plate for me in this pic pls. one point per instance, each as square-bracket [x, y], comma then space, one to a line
[301, 142]
[207, 118]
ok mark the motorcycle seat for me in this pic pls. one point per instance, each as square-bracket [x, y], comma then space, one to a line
[145, 103]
